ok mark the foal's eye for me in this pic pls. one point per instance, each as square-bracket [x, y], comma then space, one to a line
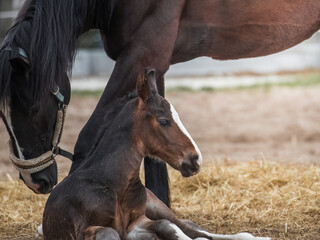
[164, 122]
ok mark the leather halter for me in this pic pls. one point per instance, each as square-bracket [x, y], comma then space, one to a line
[37, 164]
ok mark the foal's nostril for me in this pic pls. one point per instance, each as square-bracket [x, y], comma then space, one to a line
[194, 158]
[194, 161]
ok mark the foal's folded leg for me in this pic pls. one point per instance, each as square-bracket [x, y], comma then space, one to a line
[156, 210]
[101, 233]
[146, 229]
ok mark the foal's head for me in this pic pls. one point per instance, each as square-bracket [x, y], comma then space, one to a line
[159, 132]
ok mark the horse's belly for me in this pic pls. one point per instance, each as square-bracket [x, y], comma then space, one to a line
[226, 29]
[256, 40]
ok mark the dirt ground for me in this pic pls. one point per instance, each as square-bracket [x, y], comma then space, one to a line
[278, 124]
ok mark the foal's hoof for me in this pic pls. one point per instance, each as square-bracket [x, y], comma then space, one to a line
[244, 236]
[39, 233]
[107, 234]
[248, 236]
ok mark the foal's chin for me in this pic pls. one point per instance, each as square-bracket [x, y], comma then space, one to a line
[187, 167]
[188, 170]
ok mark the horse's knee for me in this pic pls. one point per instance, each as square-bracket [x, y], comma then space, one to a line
[107, 234]
[167, 230]
[192, 225]
[162, 225]
[101, 233]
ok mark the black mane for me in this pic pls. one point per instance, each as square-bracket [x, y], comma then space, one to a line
[48, 31]
[17, 36]
[110, 113]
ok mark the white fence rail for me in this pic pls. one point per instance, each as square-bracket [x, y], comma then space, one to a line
[8, 14]
[301, 57]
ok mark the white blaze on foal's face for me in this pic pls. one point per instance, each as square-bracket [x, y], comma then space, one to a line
[177, 120]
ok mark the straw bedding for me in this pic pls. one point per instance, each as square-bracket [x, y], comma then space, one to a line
[263, 198]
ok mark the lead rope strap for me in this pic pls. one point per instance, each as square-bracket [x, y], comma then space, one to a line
[31, 165]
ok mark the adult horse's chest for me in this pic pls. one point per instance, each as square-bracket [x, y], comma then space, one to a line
[137, 23]
[124, 24]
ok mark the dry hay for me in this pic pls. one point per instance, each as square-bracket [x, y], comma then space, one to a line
[20, 210]
[263, 198]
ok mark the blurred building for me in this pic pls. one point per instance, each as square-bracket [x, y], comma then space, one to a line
[8, 10]
[304, 56]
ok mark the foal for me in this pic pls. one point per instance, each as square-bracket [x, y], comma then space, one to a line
[104, 198]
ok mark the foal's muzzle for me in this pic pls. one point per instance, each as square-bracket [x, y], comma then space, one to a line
[190, 166]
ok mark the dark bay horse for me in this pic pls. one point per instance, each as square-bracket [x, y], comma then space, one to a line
[137, 33]
[161, 33]
[104, 197]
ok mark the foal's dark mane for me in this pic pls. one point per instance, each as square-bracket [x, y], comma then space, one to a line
[110, 115]
[48, 31]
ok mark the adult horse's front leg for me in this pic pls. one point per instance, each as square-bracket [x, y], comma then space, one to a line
[156, 179]
[151, 46]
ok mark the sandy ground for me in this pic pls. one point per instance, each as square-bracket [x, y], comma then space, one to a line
[278, 124]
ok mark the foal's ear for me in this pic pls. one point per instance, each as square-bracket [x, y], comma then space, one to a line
[146, 85]
[19, 64]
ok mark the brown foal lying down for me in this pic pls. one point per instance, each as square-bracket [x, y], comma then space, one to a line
[105, 199]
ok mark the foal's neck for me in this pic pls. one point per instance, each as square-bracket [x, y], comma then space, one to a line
[116, 153]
